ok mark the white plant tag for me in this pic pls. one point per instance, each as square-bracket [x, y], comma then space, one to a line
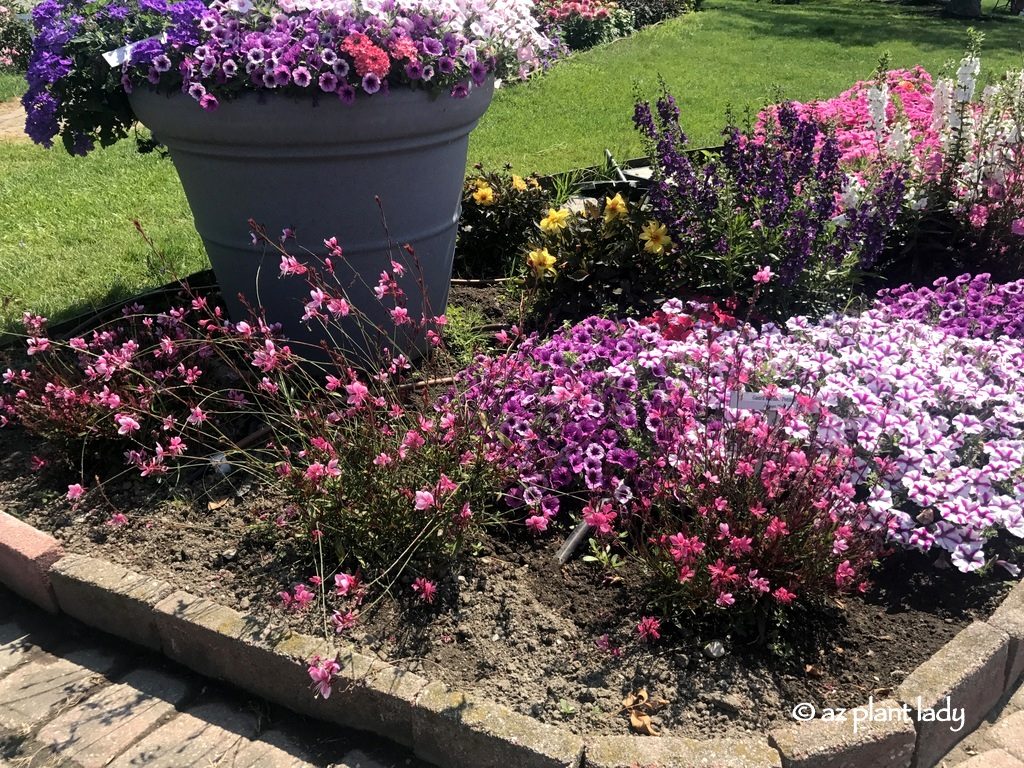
[758, 401]
[120, 55]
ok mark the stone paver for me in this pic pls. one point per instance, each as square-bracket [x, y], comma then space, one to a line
[1016, 701]
[205, 735]
[1008, 733]
[26, 555]
[273, 750]
[357, 759]
[966, 674]
[110, 721]
[14, 646]
[858, 741]
[981, 742]
[39, 689]
[993, 758]
[75, 700]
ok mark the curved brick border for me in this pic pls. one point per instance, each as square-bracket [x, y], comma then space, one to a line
[973, 671]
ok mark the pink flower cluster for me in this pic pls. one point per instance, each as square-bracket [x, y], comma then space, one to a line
[629, 426]
[586, 9]
[139, 379]
[910, 98]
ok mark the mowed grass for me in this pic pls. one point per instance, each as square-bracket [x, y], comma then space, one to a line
[67, 241]
[734, 53]
[67, 238]
[12, 85]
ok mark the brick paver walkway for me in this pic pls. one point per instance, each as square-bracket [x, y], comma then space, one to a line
[73, 698]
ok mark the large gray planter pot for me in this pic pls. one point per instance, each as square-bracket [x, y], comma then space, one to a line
[319, 169]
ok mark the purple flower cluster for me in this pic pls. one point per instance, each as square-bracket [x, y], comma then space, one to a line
[71, 90]
[776, 197]
[936, 420]
[320, 51]
[578, 407]
[969, 307]
[324, 47]
[630, 426]
[47, 66]
[608, 412]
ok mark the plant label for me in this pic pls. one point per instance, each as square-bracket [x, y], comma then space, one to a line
[123, 55]
[758, 401]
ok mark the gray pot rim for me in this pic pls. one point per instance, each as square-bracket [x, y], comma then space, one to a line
[257, 117]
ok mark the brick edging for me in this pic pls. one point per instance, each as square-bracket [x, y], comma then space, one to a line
[462, 730]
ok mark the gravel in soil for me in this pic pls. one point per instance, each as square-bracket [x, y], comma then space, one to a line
[557, 643]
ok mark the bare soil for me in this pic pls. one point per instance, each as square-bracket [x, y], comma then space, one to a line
[510, 623]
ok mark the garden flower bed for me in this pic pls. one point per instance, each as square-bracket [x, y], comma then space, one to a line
[563, 645]
[557, 644]
[679, 474]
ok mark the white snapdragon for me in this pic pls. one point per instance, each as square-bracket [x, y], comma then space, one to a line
[966, 79]
[899, 140]
[852, 191]
[878, 103]
[942, 100]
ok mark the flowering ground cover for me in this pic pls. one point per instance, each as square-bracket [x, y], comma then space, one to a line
[559, 644]
[684, 449]
[697, 506]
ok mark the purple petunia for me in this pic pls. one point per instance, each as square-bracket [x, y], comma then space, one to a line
[371, 82]
[201, 49]
[328, 82]
[347, 94]
[414, 70]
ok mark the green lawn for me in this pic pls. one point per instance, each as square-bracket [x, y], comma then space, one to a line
[67, 240]
[12, 85]
[737, 53]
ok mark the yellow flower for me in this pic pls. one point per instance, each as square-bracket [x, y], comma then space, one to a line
[614, 208]
[555, 221]
[541, 262]
[518, 183]
[481, 183]
[484, 195]
[656, 237]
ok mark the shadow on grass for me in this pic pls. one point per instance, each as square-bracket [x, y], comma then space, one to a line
[873, 21]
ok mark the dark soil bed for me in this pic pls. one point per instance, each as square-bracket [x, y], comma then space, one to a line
[508, 622]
